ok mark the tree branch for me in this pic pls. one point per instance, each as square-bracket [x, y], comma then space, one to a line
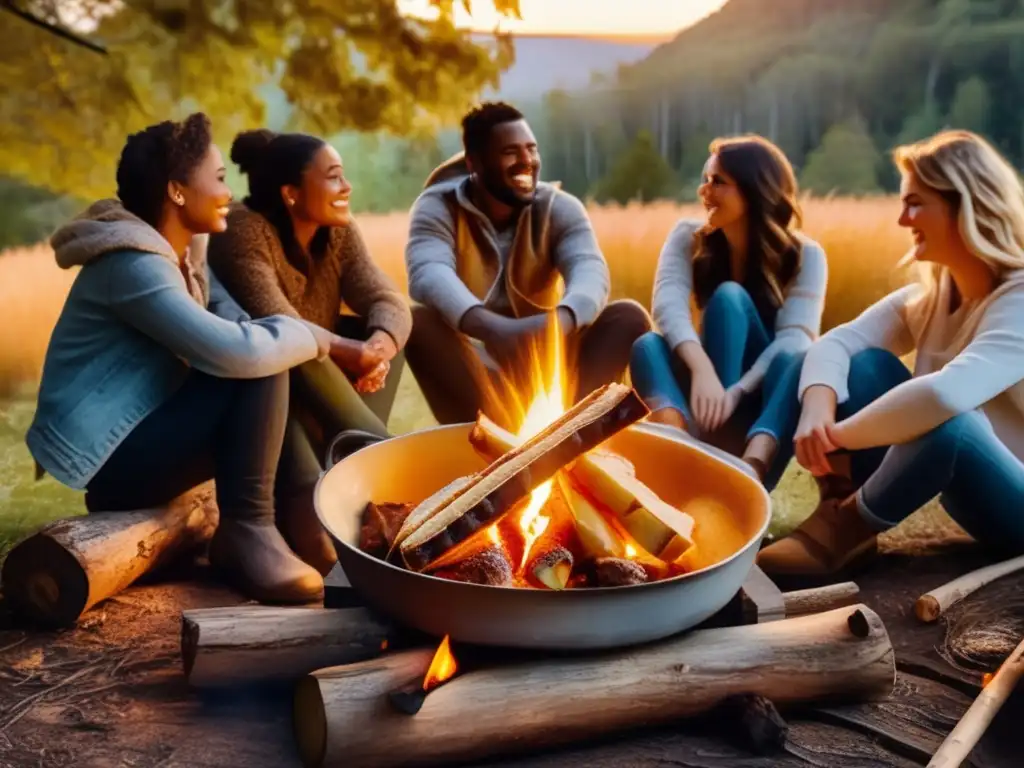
[8, 5]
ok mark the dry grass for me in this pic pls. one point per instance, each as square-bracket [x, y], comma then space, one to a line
[861, 239]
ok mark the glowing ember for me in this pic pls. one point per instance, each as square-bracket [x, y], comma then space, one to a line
[548, 404]
[442, 667]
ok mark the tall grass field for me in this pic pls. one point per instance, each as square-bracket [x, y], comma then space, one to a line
[860, 237]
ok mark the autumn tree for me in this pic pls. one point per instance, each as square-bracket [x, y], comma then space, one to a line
[347, 64]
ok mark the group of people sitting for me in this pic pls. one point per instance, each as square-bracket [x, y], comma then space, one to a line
[206, 338]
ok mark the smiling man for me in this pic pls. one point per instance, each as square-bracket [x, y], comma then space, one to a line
[494, 257]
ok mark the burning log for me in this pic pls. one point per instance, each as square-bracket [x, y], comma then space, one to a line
[550, 561]
[611, 480]
[381, 523]
[617, 572]
[341, 716]
[552, 568]
[489, 566]
[431, 531]
[68, 566]
[257, 644]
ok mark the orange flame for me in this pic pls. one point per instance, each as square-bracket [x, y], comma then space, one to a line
[549, 388]
[442, 667]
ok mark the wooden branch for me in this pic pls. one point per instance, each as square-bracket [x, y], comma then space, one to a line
[68, 566]
[968, 732]
[931, 605]
[52, 28]
[818, 599]
[258, 644]
[341, 714]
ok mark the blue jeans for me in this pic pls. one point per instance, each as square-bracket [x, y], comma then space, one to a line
[978, 480]
[733, 336]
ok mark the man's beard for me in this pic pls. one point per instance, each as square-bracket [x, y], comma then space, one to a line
[494, 184]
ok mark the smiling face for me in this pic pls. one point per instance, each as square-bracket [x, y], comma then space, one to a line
[206, 195]
[323, 196]
[932, 222]
[509, 166]
[721, 196]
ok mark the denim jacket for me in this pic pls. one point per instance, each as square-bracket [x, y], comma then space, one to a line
[132, 325]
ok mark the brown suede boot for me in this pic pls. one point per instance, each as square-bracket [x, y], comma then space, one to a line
[301, 528]
[255, 559]
[834, 540]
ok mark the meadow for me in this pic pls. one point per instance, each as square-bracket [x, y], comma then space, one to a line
[860, 236]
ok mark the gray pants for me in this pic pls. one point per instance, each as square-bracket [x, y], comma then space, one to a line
[458, 380]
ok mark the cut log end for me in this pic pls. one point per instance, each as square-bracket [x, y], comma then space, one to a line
[927, 608]
[310, 722]
[44, 581]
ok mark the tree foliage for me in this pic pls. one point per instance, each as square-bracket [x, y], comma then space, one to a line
[791, 70]
[346, 64]
[846, 161]
[639, 174]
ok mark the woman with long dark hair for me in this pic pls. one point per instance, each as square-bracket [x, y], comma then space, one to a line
[293, 248]
[155, 381]
[760, 287]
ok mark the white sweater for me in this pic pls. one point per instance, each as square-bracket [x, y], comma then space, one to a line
[969, 359]
[797, 323]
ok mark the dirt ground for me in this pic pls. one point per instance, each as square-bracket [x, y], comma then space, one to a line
[111, 693]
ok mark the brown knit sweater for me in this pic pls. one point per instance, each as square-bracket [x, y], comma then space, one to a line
[250, 261]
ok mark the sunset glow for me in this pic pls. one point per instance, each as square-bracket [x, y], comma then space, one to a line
[582, 17]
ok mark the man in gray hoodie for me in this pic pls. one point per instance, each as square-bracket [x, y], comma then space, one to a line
[494, 257]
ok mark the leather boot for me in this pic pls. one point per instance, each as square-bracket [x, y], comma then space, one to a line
[301, 528]
[254, 558]
[833, 541]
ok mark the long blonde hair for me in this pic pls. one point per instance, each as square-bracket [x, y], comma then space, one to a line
[983, 189]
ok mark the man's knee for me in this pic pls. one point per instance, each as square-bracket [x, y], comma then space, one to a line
[626, 317]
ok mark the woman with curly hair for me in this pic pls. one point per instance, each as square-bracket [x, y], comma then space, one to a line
[292, 248]
[761, 288]
[955, 427]
[155, 381]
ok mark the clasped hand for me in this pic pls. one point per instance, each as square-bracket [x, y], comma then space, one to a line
[816, 433]
[506, 338]
[713, 404]
[366, 362]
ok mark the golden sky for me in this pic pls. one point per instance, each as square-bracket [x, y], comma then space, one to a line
[601, 17]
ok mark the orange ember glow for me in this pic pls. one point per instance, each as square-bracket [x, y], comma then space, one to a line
[442, 667]
[549, 389]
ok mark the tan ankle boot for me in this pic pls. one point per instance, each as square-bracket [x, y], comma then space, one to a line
[254, 557]
[835, 539]
[301, 528]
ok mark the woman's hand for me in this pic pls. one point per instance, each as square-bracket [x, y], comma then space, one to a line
[356, 358]
[813, 441]
[709, 399]
[385, 346]
[374, 380]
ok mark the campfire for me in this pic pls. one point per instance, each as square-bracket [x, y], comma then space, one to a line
[553, 509]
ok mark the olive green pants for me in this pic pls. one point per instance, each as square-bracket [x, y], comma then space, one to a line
[323, 402]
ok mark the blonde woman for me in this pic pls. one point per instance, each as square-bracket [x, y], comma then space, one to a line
[955, 427]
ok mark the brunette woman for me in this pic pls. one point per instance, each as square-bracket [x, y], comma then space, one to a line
[154, 381]
[760, 287]
[292, 248]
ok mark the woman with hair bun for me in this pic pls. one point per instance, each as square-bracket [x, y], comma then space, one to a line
[155, 381]
[955, 427]
[760, 285]
[292, 248]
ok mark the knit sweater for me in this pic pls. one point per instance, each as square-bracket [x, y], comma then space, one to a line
[250, 261]
[797, 322]
[456, 260]
[969, 359]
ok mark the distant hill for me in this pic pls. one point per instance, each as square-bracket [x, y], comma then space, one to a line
[544, 63]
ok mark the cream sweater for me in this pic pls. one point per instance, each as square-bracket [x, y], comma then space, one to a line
[797, 323]
[969, 359]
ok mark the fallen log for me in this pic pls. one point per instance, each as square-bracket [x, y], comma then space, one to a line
[68, 566]
[972, 726]
[341, 715]
[246, 644]
[931, 605]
